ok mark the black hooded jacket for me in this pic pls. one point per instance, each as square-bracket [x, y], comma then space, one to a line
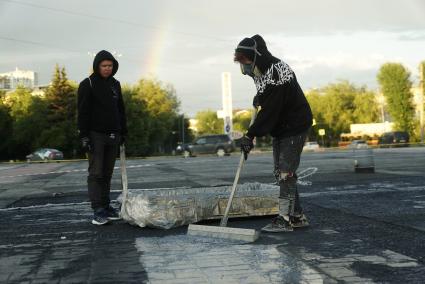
[283, 108]
[100, 102]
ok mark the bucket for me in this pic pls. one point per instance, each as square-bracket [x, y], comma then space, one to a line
[363, 161]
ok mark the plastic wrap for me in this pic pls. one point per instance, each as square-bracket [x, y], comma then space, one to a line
[169, 208]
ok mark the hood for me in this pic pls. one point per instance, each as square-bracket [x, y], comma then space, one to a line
[104, 55]
[264, 58]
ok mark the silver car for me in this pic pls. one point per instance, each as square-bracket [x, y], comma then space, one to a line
[358, 144]
[45, 154]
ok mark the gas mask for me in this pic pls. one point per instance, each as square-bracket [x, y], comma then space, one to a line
[251, 69]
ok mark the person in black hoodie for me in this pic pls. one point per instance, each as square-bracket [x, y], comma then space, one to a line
[285, 114]
[102, 128]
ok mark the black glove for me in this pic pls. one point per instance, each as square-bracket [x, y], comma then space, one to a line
[86, 144]
[256, 101]
[246, 145]
[123, 140]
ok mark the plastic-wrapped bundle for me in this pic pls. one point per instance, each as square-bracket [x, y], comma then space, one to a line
[169, 208]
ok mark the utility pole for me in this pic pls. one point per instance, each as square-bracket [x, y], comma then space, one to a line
[421, 99]
[183, 130]
[381, 102]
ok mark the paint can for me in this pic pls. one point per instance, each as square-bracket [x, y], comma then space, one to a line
[364, 161]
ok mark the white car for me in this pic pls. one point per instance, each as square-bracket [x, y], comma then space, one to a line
[358, 144]
[311, 146]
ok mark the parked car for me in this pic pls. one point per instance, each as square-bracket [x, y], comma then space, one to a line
[311, 146]
[45, 154]
[358, 144]
[400, 138]
[211, 144]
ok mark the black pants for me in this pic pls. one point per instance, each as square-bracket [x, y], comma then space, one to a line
[286, 156]
[101, 166]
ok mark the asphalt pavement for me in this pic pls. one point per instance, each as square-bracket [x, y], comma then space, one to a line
[365, 227]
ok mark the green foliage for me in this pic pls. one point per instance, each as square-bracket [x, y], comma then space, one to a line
[138, 123]
[31, 122]
[209, 123]
[338, 105]
[28, 117]
[422, 76]
[241, 121]
[6, 124]
[395, 84]
[61, 101]
[162, 106]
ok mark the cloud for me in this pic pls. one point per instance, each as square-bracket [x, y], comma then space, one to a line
[412, 36]
[338, 60]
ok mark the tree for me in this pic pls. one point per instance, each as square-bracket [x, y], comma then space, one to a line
[28, 114]
[61, 99]
[138, 123]
[340, 104]
[162, 105]
[241, 121]
[395, 84]
[209, 123]
[6, 130]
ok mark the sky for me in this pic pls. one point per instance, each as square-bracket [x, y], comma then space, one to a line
[190, 43]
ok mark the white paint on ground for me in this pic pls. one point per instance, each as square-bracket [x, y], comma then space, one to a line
[368, 190]
[186, 259]
[51, 205]
[340, 268]
[72, 171]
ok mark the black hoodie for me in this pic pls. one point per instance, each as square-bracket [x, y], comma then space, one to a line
[100, 102]
[283, 108]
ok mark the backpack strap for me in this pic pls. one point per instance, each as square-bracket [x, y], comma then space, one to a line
[90, 82]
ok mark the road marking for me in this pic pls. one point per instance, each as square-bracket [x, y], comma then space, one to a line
[72, 171]
[50, 205]
[44, 206]
[362, 191]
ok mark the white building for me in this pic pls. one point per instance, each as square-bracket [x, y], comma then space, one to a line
[11, 80]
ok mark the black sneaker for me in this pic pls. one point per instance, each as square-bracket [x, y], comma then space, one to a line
[100, 217]
[299, 221]
[278, 224]
[112, 214]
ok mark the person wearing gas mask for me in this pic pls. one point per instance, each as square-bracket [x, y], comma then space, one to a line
[102, 127]
[284, 113]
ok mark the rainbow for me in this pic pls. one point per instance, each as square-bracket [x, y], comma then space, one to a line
[156, 51]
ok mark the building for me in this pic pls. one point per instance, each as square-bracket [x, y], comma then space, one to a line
[11, 80]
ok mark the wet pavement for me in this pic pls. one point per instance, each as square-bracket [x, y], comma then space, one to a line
[365, 228]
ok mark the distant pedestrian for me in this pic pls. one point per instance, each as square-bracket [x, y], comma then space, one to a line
[102, 127]
[285, 114]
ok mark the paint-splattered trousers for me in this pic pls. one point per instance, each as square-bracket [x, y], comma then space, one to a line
[286, 156]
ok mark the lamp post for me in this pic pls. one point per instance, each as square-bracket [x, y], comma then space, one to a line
[381, 101]
[182, 132]
[421, 100]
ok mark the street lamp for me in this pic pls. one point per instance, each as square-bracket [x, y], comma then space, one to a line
[421, 99]
[381, 101]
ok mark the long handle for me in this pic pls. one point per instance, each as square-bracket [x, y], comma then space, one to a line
[225, 218]
[223, 222]
[123, 178]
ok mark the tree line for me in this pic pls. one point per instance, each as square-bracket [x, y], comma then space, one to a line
[29, 122]
[337, 105]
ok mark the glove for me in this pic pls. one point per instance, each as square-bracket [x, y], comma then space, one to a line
[246, 145]
[256, 101]
[123, 140]
[85, 144]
